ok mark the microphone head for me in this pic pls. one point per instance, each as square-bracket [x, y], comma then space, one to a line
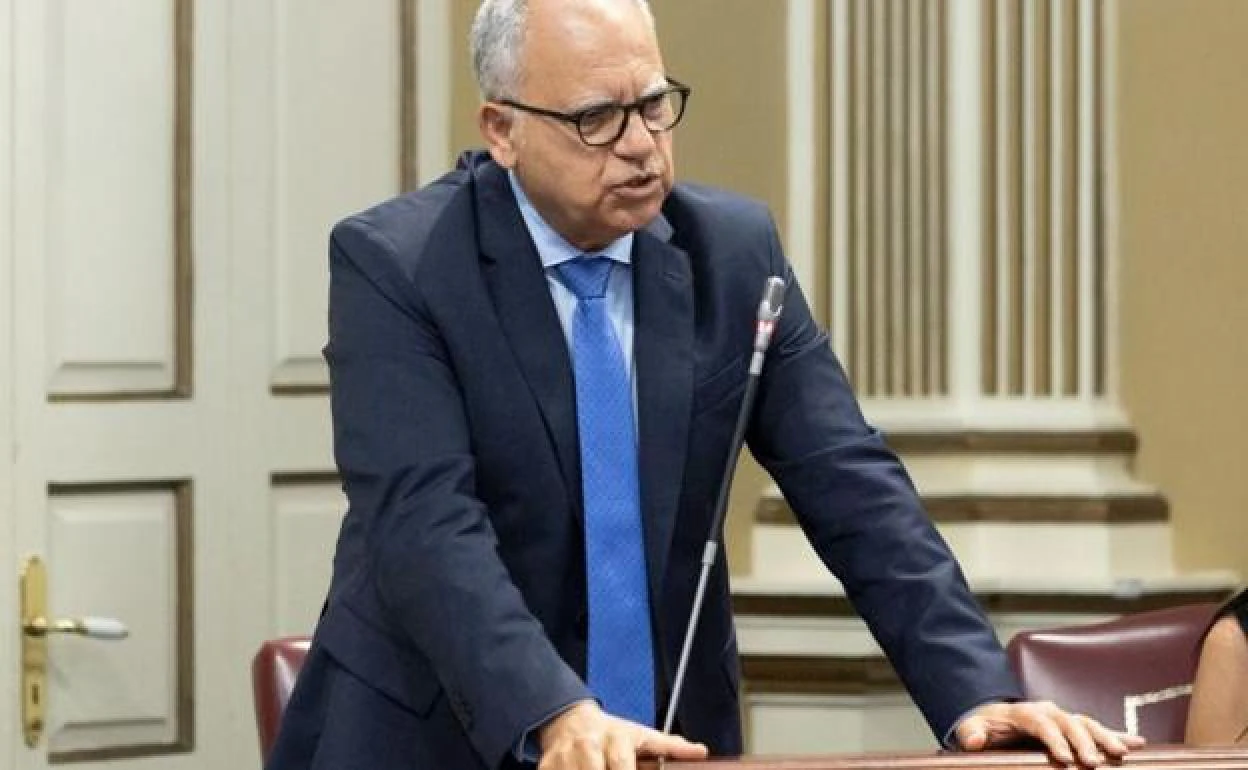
[773, 300]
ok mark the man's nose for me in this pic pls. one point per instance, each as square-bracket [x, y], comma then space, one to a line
[637, 140]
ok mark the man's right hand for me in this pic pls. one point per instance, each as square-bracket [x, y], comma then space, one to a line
[584, 737]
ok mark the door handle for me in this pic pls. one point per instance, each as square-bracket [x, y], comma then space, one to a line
[91, 627]
[35, 630]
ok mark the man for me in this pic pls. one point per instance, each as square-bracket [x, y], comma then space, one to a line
[536, 367]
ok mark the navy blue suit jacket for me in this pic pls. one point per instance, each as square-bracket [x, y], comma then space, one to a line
[456, 619]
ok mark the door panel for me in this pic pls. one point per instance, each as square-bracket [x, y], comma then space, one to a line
[136, 693]
[110, 177]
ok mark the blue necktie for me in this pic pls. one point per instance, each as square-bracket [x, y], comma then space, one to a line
[621, 655]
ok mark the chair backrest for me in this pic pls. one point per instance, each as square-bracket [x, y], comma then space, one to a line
[273, 674]
[1133, 673]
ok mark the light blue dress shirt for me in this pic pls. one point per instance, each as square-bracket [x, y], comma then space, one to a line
[555, 250]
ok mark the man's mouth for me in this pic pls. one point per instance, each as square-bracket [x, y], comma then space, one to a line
[638, 183]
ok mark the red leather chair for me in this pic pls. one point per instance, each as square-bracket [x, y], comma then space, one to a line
[1133, 673]
[273, 673]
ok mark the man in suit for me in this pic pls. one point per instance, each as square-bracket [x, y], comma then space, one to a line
[536, 365]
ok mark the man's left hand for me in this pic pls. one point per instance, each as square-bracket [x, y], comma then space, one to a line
[1067, 737]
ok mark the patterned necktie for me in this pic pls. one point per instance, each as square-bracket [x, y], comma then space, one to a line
[621, 655]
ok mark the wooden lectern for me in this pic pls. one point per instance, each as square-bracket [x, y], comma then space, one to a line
[1153, 758]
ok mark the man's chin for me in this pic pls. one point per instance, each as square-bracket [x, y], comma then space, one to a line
[633, 218]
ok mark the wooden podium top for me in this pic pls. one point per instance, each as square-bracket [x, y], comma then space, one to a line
[1153, 758]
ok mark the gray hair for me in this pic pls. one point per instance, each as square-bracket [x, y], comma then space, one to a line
[497, 40]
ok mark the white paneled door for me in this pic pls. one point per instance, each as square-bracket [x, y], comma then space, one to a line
[119, 475]
[169, 170]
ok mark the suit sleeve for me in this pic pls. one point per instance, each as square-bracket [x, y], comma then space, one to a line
[402, 444]
[860, 511]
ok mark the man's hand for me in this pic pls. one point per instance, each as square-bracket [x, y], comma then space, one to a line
[585, 738]
[1064, 735]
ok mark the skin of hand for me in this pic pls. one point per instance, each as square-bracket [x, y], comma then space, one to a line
[584, 737]
[1069, 738]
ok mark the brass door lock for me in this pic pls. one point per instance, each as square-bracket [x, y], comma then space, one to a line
[35, 629]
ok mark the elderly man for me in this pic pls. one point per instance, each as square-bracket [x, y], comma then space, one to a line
[537, 363]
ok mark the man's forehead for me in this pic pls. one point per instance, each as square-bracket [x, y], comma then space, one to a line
[590, 49]
[566, 25]
[608, 11]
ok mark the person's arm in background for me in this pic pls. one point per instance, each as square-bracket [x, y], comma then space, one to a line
[1219, 710]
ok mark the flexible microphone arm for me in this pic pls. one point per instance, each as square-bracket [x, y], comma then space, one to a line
[768, 313]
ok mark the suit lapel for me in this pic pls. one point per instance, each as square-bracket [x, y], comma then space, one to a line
[516, 282]
[663, 349]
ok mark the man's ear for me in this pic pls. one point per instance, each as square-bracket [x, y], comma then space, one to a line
[495, 122]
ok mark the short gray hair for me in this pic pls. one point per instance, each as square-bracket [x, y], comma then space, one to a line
[497, 40]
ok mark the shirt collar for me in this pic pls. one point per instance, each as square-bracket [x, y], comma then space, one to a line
[551, 246]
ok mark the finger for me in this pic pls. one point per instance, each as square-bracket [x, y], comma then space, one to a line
[653, 743]
[1079, 735]
[619, 751]
[1047, 732]
[1111, 743]
[589, 755]
[1129, 740]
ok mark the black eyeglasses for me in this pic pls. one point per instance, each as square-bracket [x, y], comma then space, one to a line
[604, 124]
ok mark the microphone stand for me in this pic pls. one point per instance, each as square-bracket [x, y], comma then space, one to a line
[769, 310]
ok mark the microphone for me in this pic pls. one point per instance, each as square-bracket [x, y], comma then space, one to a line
[769, 309]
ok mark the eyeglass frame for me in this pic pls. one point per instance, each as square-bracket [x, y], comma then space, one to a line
[574, 118]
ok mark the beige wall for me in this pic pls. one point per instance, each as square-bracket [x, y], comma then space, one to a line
[732, 52]
[1183, 135]
[464, 94]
